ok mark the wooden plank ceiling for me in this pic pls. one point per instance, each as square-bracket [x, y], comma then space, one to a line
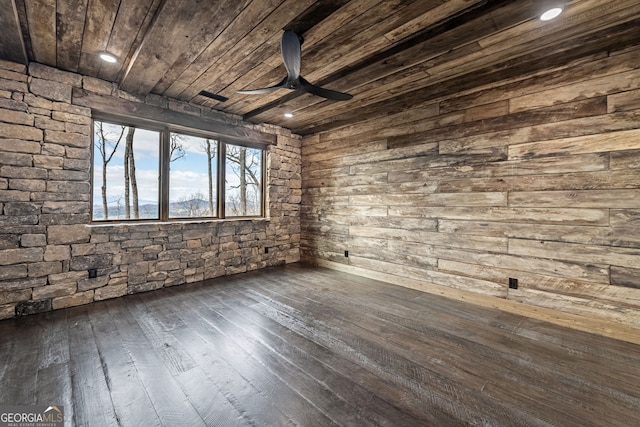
[391, 55]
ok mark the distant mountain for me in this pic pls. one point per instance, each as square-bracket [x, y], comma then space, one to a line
[192, 208]
[147, 211]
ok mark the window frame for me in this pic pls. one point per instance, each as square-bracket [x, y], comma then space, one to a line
[165, 131]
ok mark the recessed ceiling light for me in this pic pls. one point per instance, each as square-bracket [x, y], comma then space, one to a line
[551, 14]
[107, 57]
[288, 115]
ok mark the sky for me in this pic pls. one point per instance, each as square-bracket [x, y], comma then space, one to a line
[188, 175]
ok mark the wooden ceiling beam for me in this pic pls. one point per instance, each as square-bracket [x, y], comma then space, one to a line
[41, 22]
[70, 23]
[132, 22]
[12, 46]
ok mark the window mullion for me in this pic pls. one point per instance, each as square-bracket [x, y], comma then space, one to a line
[165, 154]
[222, 154]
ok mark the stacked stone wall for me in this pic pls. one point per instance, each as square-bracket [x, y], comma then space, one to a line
[47, 241]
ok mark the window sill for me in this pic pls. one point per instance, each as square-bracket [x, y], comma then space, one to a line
[133, 223]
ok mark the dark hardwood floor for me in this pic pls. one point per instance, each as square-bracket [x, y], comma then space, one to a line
[298, 345]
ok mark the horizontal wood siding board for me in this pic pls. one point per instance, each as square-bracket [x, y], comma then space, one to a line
[441, 279]
[603, 236]
[613, 199]
[622, 257]
[624, 276]
[624, 101]
[569, 216]
[513, 168]
[451, 199]
[625, 160]
[614, 141]
[563, 181]
[625, 218]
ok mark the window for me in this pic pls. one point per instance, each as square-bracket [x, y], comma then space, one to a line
[243, 181]
[161, 174]
[193, 171]
[125, 172]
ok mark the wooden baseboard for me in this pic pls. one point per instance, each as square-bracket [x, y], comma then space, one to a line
[604, 327]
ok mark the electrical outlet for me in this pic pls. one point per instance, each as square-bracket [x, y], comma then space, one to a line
[513, 283]
[93, 273]
[266, 250]
[346, 254]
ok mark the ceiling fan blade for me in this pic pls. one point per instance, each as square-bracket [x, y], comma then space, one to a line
[291, 53]
[282, 84]
[325, 93]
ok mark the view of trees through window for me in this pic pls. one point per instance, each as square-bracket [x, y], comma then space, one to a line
[192, 177]
[243, 181]
[127, 181]
[125, 172]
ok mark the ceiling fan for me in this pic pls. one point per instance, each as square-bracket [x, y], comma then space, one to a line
[291, 55]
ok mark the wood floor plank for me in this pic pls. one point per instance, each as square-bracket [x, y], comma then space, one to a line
[298, 345]
[169, 402]
[54, 387]
[502, 324]
[18, 379]
[53, 383]
[205, 395]
[92, 404]
[128, 394]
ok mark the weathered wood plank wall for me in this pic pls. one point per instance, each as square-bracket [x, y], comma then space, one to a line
[536, 177]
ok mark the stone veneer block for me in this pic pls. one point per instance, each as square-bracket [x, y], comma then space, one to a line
[67, 234]
[51, 90]
[25, 308]
[108, 292]
[19, 256]
[14, 296]
[7, 311]
[16, 117]
[98, 86]
[54, 75]
[50, 291]
[12, 66]
[13, 131]
[67, 138]
[7, 272]
[48, 162]
[79, 298]
[20, 146]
